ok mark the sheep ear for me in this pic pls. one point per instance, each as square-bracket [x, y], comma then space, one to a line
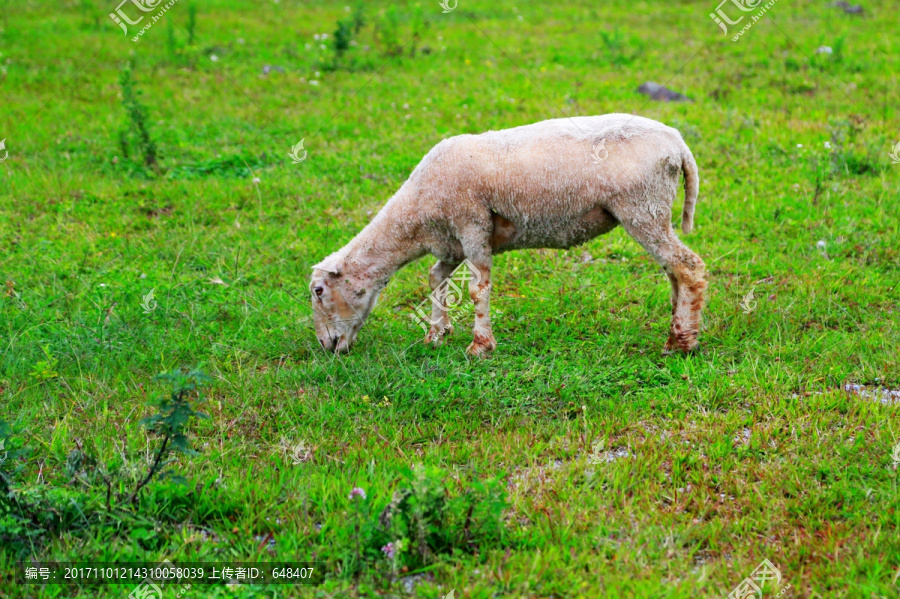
[332, 264]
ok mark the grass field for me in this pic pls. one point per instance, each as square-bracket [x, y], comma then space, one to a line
[577, 461]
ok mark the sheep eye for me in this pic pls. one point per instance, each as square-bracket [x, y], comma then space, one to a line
[318, 291]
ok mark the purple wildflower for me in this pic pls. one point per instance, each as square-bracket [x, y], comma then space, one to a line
[390, 550]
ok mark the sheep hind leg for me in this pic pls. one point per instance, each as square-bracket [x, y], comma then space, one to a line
[689, 275]
[686, 273]
[440, 314]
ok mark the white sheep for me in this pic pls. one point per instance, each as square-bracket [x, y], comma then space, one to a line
[553, 184]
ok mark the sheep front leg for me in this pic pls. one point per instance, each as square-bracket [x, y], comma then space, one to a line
[440, 316]
[480, 292]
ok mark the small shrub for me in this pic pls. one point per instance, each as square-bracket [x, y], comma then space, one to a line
[31, 513]
[419, 24]
[11, 451]
[392, 26]
[358, 18]
[619, 48]
[423, 520]
[135, 131]
[90, 13]
[343, 35]
[28, 515]
[387, 31]
[192, 23]
[850, 155]
[171, 43]
[171, 421]
[837, 50]
[45, 370]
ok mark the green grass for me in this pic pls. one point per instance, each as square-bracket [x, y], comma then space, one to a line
[749, 449]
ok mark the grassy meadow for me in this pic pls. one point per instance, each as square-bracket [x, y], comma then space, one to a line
[153, 221]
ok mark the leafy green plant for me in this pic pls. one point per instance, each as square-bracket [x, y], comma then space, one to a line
[27, 515]
[390, 25]
[849, 154]
[387, 31]
[14, 516]
[423, 519]
[419, 24]
[358, 18]
[171, 42]
[620, 49]
[45, 369]
[171, 421]
[820, 169]
[343, 35]
[185, 52]
[90, 13]
[135, 130]
[11, 451]
[192, 23]
[838, 48]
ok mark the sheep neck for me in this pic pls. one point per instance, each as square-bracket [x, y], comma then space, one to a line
[386, 245]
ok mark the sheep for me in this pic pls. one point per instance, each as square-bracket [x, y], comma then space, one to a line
[553, 184]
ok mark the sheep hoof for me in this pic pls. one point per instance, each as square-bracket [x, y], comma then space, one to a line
[684, 346]
[436, 335]
[481, 346]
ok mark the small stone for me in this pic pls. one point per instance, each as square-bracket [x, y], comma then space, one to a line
[661, 93]
[855, 9]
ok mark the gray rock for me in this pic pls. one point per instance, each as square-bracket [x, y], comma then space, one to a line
[854, 9]
[661, 93]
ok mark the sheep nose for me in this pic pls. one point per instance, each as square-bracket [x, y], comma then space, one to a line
[329, 343]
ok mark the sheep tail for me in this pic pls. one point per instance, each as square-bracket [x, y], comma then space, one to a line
[691, 189]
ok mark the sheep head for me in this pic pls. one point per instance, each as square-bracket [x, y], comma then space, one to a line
[341, 303]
